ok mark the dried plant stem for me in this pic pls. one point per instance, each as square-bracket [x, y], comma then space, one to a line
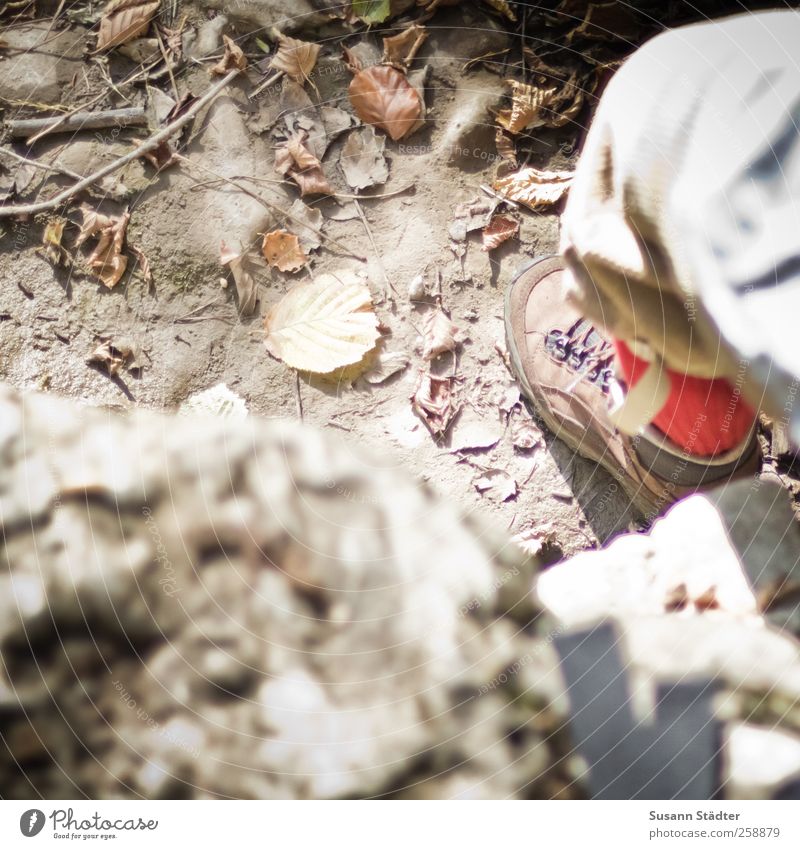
[153, 142]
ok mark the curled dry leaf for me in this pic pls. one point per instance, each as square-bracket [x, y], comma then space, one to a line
[293, 159]
[504, 7]
[401, 49]
[160, 157]
[505, 147]
[282, 251]
[382, 96]
[115, 354]
[295, 58]
[540, 106]
[439, 335]
[123, 20]
[474, 215]
[500, 229]
[362, 159]
[524, 433]
[53, 250]
[233, 57]
[322, 326]
[387, 364]
[432, 401]
[245, 284]
[106, 260]
[533, 188]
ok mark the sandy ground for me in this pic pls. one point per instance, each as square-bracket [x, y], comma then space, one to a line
[187, 326]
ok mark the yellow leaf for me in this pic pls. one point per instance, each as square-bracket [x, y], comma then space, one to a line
[322, 326]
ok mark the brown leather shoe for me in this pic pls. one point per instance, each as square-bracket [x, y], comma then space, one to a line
[565, 368]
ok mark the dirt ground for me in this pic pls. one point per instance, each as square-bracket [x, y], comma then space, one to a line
[187, 326]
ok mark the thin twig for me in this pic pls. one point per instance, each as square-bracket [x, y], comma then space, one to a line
[376, 197]
[153, 142]
[299, 396]
[382, 267]
[273, 207]
[266, 84]
[167, 63]
[92, 102]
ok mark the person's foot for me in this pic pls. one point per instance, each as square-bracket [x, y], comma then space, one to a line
[565, 368]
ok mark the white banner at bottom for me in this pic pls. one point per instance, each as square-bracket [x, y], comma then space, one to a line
[402, 825]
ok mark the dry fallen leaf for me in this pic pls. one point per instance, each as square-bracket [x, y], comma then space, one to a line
[162, 156]
[524, 433]
[432, 401]
[322, 326]
[439, 335]
[498, 483]
[233, 57]
[114, 354]
[293, 159]
[362, 159]
[387, 364]
[106, 260]
[401, 49]
[246, 289]
[504, 8]
[295, 58]
[474, 215]
[282, 251]
[382, 96]
[123, 20]
[54, 251]
[500, 229]
[505, 147]
[533, 540]
[533, 188]
[540, 106]
[475, 430]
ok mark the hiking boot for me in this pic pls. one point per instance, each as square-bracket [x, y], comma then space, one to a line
[565, 367]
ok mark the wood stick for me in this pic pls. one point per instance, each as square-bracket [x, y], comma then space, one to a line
[153, 142]
[34, 164]
[133, 116]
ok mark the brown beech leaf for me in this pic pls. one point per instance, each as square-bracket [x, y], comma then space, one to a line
[293, 159]
[106, 261]
[533, 188]
[432, 401]
[439, 335]
[233, 57]
[246, 289]
[401, 49]
[282, 251]
[123, 20]
[295, 58]
[324, 325]
[500, 229]
[382, 96]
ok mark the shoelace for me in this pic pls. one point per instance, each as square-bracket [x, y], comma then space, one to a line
[584, 352]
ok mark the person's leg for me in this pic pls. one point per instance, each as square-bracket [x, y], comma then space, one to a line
[632, 371]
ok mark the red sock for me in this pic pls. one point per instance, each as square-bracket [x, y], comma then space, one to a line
[702, 417]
